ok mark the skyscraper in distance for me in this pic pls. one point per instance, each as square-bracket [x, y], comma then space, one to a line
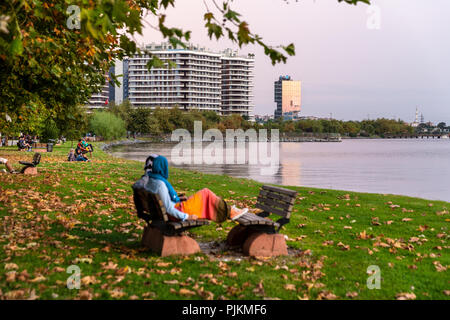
[288, 96]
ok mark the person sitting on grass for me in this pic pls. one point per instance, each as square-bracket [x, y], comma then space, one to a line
[82, 157]
[7, 165]
[80, 148]
[87, 146]
[202, 205]
[72, 156]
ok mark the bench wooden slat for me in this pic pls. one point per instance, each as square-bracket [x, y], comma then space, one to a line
[272, 210]
[276, 196]
[244, 218]
[273, 203]
[175, 225]
[280, 190]
[252, 219]
[188, 223]
[161, 208]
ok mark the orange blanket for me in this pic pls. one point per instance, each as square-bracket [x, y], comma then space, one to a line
[205, 205]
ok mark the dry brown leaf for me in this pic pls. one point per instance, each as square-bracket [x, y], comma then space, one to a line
[290, 286]
[186, 292]
[405, 296]
[352, 294]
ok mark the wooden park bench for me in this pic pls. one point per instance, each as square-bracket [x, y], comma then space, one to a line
[162, 235]
[259, 235]
[31, 167]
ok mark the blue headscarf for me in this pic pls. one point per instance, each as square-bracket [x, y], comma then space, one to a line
[160, 171]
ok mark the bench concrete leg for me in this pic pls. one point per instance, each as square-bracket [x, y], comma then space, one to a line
[168, 245]
[265, 245]
[30, 171]
[238, 235]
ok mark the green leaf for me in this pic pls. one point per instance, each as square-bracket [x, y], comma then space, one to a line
[16, 46]
[290, 49]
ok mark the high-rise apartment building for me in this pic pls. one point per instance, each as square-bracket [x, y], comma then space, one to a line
[237, 84]
[106, 94]
[193, 84]
[287, 96]
[100, 99]
[202, 80]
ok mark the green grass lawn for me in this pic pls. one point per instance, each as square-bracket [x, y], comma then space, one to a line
[83, 214]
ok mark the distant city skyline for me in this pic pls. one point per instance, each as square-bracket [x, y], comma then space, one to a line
[347, 69]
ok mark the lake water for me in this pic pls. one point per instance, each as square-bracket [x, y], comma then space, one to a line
[414, 167]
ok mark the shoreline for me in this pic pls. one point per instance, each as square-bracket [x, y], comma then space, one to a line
[136, 142]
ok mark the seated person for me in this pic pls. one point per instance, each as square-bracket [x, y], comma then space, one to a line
[81, 157]
[72, 156]
[86, 146]
[204, 204]
[82, 147]
[7, 165]
[77, 151]
[22, 144]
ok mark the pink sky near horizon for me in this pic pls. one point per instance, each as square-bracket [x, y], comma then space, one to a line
[346, 69]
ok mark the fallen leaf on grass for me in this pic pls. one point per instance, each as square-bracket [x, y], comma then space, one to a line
[439, 267]
[15, 294]
[87, 280]
[405, 296]
[163, 264]
[85, 295]
[186, 292]
[83, 260]
[326, 295]
[38, 279]
[343, 246]
[110, 266]
[11, 276]
[116, 294]
[290, 287]
[11, 266]
[376, 222]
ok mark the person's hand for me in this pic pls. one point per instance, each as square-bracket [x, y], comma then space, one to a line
[192, 217]
[182, 198]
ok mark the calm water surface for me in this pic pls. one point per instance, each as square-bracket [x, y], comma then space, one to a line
[419, 168]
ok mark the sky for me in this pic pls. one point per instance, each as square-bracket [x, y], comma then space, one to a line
[355, 62]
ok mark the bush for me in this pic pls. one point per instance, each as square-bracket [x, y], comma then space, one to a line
[50, 131]
[107, 125]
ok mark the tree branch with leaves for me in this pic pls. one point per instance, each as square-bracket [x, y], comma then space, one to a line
[47, 66]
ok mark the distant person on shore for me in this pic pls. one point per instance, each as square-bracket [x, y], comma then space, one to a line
[7, 165]
[202, 205]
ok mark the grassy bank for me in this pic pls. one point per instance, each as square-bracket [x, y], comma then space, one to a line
[82, 214]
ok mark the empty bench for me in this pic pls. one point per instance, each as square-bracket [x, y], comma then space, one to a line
[161, 234]
[31, 167]
[259, 235]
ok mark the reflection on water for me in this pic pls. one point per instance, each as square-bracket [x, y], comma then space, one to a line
[410, 167]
